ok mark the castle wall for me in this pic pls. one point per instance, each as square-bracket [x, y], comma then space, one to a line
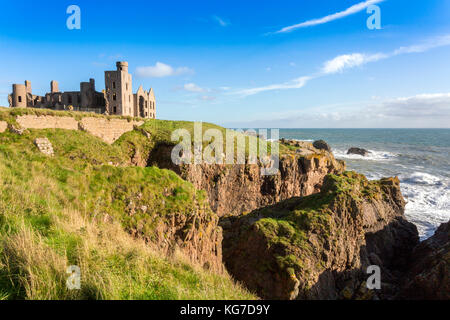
[109, 130]
[47, 122]
[3, 126]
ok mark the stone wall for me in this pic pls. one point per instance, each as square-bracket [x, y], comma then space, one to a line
[47, 122]
[3, 126]
[107, 130]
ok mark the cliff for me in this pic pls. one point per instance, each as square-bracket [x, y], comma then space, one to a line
[135, 232]
[237, 189]
[318, 247]
[428, 275]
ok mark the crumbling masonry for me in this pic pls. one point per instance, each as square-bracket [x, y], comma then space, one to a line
[116, 99]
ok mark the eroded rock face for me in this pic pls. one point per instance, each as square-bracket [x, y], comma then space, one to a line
[429, 269]
[195, 233]
[319, 247]
[236, 189]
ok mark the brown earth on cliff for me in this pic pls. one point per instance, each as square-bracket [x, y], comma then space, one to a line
[237, 189]
[429, 271]
[318, 247]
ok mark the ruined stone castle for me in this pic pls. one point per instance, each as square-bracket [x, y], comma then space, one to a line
[116, 99]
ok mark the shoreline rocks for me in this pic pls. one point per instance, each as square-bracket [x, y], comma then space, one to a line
[322, 145]
[358, 151]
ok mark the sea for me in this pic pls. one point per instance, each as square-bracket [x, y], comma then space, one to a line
[419, 157]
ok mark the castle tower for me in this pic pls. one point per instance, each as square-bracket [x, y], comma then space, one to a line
[54, 87]
[118, 85]
[19, 94]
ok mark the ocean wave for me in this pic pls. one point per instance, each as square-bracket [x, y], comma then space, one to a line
[422, 178]
[428, 201]
[372, 156]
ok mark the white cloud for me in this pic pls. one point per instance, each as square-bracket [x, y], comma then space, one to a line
[207, 98]
[192, 87]
[294, 84]
[221, 21]
[423, 106]
[160, 70]
[339, 15]
[347, 61]
[432, 43]
[419, 111]
[340, 63]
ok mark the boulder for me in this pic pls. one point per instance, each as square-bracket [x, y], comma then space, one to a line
[359, 151]
[322, 145]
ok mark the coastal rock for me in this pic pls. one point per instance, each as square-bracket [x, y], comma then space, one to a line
[429, 270]
[236, 189]
[319, 247]
[358, 151]
[322, 145]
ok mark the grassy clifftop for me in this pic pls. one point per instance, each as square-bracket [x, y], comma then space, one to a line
[78, 208]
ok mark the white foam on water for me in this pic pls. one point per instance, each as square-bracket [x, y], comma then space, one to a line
[372, 156]
[428, 201]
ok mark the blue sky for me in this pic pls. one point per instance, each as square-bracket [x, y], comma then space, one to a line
[244, 63]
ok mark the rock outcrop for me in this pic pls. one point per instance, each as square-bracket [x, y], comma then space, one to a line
[192, 229]
[429, 269]
[236, 189]
[358, 151]
[322, 145]
[318, 247]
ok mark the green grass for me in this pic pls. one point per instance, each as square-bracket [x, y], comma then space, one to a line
[71, 209]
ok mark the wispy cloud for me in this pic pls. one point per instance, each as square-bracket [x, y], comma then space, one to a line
[160, 70]
[347, 61]
[294, 84]
[340, 63]
[335, 16]
[221, 21]
[192, 87]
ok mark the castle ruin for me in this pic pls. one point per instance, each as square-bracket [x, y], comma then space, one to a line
[116, 99]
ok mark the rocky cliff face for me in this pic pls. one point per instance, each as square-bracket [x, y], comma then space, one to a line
[319, 247]
[237, 189]
[190, 229]
[428, 274]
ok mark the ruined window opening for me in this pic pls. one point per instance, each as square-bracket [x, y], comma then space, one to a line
[114, 97]
[114, 109]
[20, 99]
[114, 84]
